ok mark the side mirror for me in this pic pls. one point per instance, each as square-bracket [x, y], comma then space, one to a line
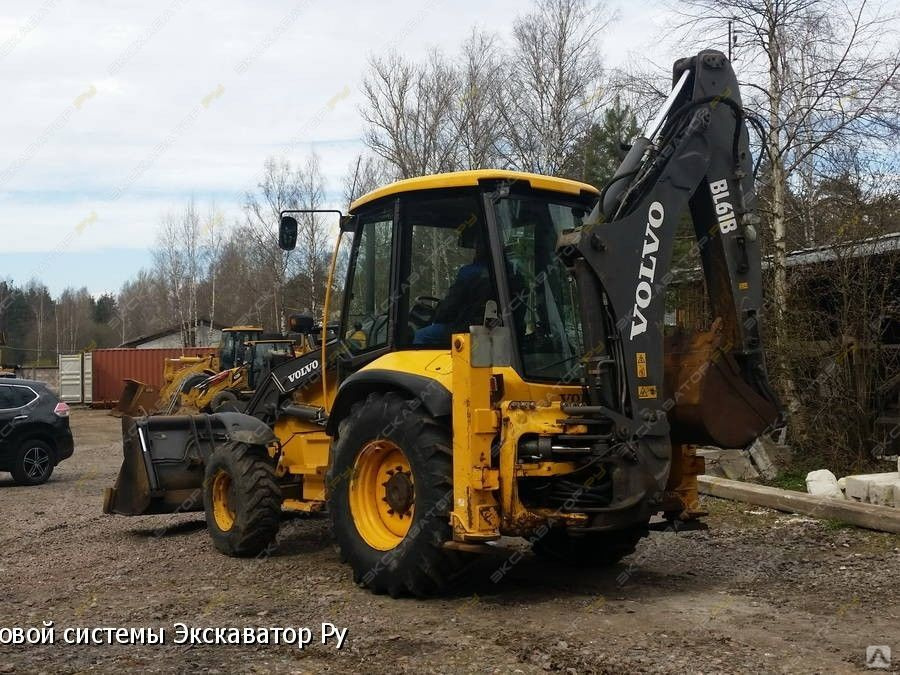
[301, 323]
[287, 233]
[348, 223]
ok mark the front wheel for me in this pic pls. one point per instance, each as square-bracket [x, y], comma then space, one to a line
[391, 495]
[242, 499]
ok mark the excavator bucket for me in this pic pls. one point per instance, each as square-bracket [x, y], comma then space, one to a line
[161, 471]
[136, 399]
[714, 402]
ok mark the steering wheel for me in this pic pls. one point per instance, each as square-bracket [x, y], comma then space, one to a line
[422, 311]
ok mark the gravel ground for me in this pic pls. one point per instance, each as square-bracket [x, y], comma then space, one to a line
[759, 592]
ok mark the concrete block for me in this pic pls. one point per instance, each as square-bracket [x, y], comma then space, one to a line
[780, 456]
[760, 457]
[883, 493]
[711, 458]
[822, 483]
[737, 466]
[873, 488]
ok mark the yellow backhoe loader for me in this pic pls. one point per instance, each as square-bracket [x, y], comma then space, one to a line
[500, 368]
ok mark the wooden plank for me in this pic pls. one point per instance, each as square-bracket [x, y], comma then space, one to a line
[870, 516]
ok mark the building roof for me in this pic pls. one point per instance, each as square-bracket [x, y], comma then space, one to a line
[860, 248]
[471, 179]
[869, 246]
[171, 330]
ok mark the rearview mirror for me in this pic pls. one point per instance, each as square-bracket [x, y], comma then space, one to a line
[348, 223]
[301, 323]
[287, 233]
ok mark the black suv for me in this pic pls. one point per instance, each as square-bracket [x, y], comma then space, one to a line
[34, 431]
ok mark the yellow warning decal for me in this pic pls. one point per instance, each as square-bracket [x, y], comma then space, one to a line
[744, 285]
[642, 364]
[647, 392]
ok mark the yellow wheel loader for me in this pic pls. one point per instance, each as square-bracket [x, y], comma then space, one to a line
[212, 392]
[181, 374]
[500, 366]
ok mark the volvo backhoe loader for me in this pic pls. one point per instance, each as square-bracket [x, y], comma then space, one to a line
[500, 368]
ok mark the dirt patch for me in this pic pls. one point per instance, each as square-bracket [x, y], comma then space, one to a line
[760, 591]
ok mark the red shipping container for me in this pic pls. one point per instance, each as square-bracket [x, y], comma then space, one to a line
[111, 367]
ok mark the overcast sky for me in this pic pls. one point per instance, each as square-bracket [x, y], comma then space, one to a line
[114, 112]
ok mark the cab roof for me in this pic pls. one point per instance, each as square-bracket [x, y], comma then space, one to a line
[473, 178]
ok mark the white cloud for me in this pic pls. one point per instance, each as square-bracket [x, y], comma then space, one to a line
[190, 97]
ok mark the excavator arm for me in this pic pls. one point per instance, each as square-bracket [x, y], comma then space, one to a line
[694, 159]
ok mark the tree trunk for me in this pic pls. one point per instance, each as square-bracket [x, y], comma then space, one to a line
[779, 299]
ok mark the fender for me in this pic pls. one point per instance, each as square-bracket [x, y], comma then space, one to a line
[435, 397]
[244, 428]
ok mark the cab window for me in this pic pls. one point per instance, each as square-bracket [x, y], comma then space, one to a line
[448, 275]
[369, 301]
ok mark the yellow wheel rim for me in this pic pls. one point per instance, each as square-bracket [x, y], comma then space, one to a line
[221, 492]
[382, 494]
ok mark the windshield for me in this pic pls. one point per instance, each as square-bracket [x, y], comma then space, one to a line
[542, 294]
[262, 358]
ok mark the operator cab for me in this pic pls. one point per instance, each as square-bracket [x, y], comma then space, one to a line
[262, 355]
[422, 258]
[231, 346]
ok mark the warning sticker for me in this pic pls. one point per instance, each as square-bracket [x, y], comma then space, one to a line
[647, 392]
[642, 364]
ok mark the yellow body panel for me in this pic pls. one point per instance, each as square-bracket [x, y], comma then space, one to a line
[486, 501]
[471, 179]
[235, 329]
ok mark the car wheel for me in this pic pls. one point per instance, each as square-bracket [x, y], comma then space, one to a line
[34, 463]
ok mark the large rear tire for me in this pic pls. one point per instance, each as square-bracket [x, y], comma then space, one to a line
[242, 499]
[390, 497]
[597, 549]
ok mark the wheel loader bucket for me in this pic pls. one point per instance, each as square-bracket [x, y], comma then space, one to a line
[136, 399]
[161, 471]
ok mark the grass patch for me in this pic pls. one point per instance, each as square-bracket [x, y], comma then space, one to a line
[835, 524]
[789, 480]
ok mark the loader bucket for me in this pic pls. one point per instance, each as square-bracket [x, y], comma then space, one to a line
[161, 471]
[713, 401]
[136, 399]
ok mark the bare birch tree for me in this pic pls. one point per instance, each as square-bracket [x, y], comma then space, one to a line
[213, 240]
[279, 190]
[169, 266]
[314, 237]
[408, 112]
[365, 173]
[477, 118]
[555, 83]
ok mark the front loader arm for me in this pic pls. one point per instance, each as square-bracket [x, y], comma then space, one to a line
[711, 388]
